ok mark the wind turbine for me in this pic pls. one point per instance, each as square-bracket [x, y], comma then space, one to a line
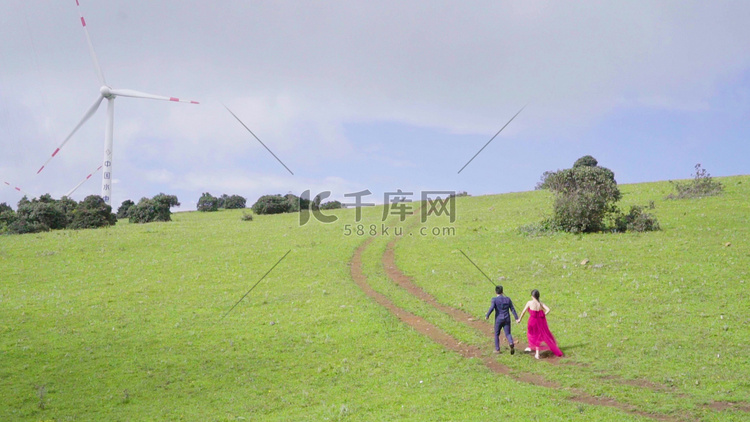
[108, 93]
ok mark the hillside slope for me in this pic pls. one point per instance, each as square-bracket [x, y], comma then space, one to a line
[125, 323]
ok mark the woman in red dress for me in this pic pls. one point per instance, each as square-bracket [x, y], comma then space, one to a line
[538, 333]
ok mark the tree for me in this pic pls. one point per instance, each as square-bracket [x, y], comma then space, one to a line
[331, 205]
[234, 202]
[47, 213]
[164, 203]
[92, 212]
[586, 161]
[122, 212]
[37, 216]
[46, 198]
[584, 195]
[7, 217]
[150, 210]
[222, 200]
[272, 204]
[208, 202]
[68, 207]
[22, 201]
[170, 200]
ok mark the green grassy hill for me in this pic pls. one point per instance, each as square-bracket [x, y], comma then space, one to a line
[125, 323]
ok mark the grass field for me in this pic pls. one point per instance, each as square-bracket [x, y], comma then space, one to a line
[125, 323]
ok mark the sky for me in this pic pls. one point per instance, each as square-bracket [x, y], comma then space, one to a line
[380, 96]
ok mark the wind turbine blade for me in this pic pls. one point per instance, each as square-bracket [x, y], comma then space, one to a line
[70, 192]
[137, 94]
[16, 188]
[86, 116]
[99, 72]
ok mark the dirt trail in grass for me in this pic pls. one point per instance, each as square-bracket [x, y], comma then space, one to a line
[436, 334]
[405, 282]
[398, 277]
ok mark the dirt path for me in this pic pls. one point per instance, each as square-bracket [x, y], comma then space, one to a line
[436, 334]
[405, 282]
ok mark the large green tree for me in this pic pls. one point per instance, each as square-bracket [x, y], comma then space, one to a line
[91, 213]
[208, 202]
[584, 196]
[154, 209]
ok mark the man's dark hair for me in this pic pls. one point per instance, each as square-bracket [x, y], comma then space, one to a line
[499, 290]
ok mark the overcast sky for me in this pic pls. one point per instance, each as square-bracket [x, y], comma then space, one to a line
[371, 95]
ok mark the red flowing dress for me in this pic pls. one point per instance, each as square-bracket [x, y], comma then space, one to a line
[539, 334]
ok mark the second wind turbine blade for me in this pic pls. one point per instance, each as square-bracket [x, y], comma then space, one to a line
[137, 94]
[86, 116]
[98, 68]
[70, 192]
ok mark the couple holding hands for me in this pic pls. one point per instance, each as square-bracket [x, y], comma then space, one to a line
[537, 332]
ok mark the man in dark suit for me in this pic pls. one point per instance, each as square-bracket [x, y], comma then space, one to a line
[500, 305]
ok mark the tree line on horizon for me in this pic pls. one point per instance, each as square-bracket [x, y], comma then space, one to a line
[585, 198]
[46, 213]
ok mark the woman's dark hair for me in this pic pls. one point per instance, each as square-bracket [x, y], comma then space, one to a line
[499, 290]
[535, 294]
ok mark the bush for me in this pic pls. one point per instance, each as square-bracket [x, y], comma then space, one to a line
[208, 202]
[273, 204]
[331, 205]
[544, 180]
[170, 200]
[277, 204]
[234, 202]
[122, 212]
[68, 207]
[91, 213]
[150, 210]
[701, 185]
[585, 202]
[637, 220]
[247, 217]
[7, 217]
[23, 226]
[584, 195]
[296, 203]
[40, 215]
[545, 227]
[47, 213]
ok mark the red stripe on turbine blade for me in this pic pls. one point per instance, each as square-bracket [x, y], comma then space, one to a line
[40, 170]
[77, 4]
[173, 99]
[56, 151]
[83, 21]
[7, 183]
[89, 176]
[18, 189]
[194, 102]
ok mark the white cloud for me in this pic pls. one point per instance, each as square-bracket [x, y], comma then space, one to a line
[298, 73]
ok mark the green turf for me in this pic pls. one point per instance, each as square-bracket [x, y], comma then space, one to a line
[668, 307]
[125, 323]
